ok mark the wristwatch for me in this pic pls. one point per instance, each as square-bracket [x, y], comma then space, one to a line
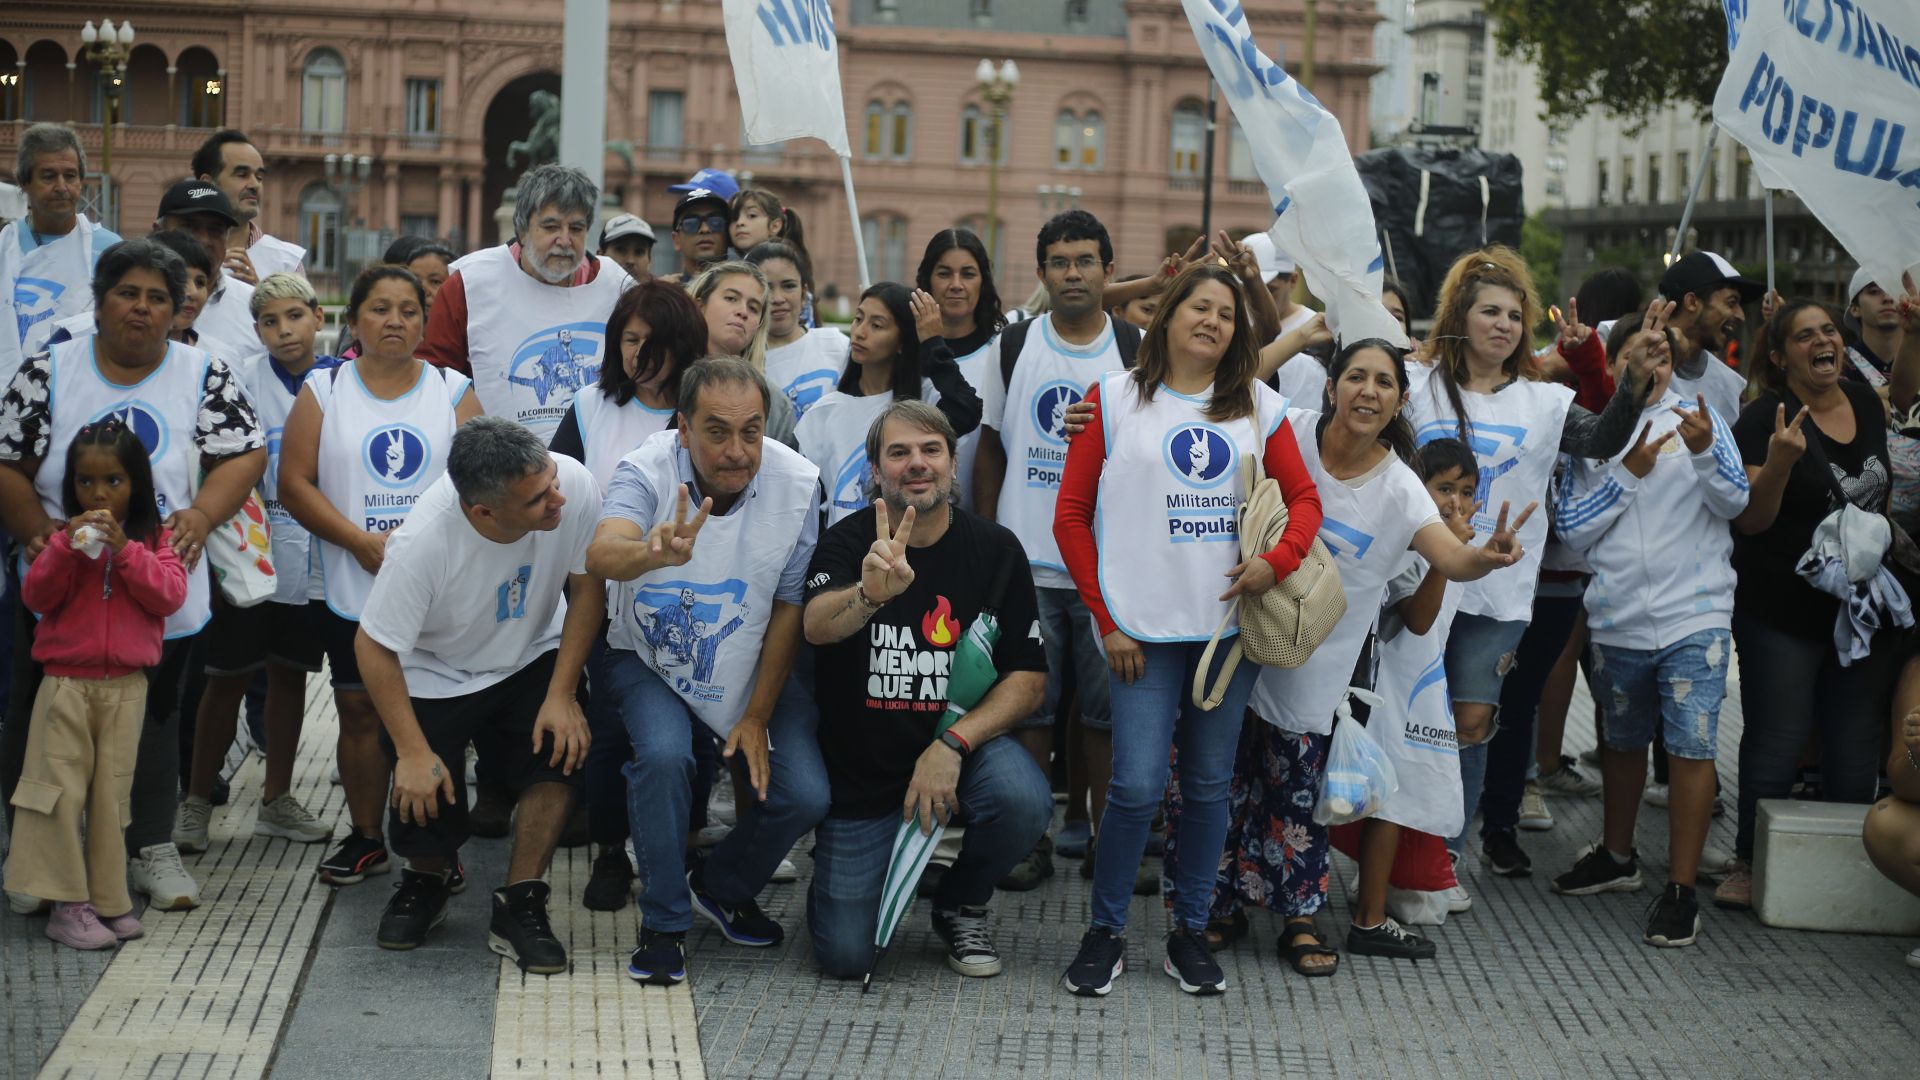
[955, 742]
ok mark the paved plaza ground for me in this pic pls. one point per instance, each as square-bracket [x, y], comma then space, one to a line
[278, 975]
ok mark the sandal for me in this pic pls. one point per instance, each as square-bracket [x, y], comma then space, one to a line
[1295, 951]
[1223, 933]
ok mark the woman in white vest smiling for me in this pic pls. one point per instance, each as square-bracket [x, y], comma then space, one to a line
[362, 443]
[957, 272]
[191, 414]
[1146, 526]
[802, 364]
[897, 352]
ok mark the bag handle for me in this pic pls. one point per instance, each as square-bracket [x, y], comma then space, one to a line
[1250, 475]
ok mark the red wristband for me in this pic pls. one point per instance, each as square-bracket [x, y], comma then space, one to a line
[961, 739]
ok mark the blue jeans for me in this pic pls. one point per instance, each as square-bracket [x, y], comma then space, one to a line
[1149, 718]
[660, 779]
[1072, 640]
[1005, 804]
[1678, 690]
[1473, 778]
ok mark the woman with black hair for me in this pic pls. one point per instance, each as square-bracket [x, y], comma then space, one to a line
[658, 333]
[957, 272]
[897, 351]
[802, 364]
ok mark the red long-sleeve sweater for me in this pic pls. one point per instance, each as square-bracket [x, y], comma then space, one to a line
[101, 619]
[1588, 360]
[1080, 489]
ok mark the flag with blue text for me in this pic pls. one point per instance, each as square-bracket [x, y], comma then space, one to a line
[786, 63]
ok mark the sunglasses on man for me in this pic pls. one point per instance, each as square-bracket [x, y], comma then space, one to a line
[692, 223]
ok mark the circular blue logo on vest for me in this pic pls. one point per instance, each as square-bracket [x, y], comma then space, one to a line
[1200, 455]
[394, 455]
[143, 420]
[1050, 407]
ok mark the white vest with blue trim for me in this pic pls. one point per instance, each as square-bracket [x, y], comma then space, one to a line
[531, 346]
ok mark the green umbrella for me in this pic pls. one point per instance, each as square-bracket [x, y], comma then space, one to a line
[971, 676]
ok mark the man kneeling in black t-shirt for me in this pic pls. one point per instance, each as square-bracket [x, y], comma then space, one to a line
[886, 632]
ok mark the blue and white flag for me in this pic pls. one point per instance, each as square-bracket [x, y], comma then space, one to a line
[1821, 93]
[786, 63]
[1321, 214]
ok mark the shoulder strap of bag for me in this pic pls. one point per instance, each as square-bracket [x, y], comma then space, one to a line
[1251, 474]
[1012, 340]
[1816, 453]
[1127, 336]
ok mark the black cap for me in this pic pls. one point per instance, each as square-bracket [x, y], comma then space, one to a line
[697, 195]
[1701, 272]
[196, 197]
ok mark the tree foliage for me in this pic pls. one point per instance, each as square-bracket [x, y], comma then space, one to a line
[1631, 58]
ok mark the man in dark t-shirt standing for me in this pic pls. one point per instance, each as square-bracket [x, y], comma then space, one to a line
[891, 592]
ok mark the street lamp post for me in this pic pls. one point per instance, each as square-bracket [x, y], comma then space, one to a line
[346, 175]
[997, 88]
[107, 48]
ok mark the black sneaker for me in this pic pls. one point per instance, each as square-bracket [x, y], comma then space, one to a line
[969, 950]
[1390, 940]
[1597, 871]
[661, 959]
[1101, 959]
[611, 886]
[419, 904]
[491, 814]
[1673, 920]
[355, 858]
[1191, 964]
[1501, 852]
[742, 924]
[457, 878]
[520, 930]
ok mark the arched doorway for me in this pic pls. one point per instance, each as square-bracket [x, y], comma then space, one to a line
[200, 89]
[144, 101]
[48, 93]
[508, 119]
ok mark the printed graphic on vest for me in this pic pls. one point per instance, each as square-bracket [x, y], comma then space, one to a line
[394, 456]
[555, 363]
[1498, 446]
[851, 482]
[1200, 456]
[35, 300]
[808, 387]
[908, 672]
[510, 598]
[683, 624]
[1425, 734]
[1047, 456]
[143, 419]
[1343, 540]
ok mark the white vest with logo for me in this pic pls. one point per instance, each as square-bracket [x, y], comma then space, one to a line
[1367, 531]
[700, 626]
[1165, 519]
[532, 346]
[976, 367]
[808, 369]
[1415, 727]
[42, 286]
[376, 459]
[1049, 375]
[1516, 437]
[163, 409]
[609, 432]
[294, 564]
[834, 438]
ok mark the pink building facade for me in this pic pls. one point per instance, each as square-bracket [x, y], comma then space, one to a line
[1108, 114]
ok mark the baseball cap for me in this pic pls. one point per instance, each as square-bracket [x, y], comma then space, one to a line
[1273, 261]
[196, 197]
[697, 195]
[1862, 278]
[1700, 272]
[624, 226]
[718, 181]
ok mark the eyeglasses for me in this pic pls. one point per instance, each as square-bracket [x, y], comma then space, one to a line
[692, 223]
[1086, 264]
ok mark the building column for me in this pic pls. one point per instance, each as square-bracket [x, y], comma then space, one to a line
[392, 216]
[474, 198]
[449, 202]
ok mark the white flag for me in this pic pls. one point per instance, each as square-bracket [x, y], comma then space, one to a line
[786, 63]
[1321, 213]
[1821, 93]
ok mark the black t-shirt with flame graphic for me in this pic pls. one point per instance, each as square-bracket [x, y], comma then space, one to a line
[882, 690]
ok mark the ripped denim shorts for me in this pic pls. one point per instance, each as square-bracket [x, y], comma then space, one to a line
[1682, 684]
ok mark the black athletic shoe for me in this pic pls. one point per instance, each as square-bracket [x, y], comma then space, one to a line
[520, 930]
[660, 960]
[1191, 964]
[611, 886]
[1390, 940]
[418, 905]
[457, 879]
[1674, 918]
[355, 858]
[970, 950]
[1501, 852]
[743, 923]
[491, 814]
[1101, 959]
[1597, 871]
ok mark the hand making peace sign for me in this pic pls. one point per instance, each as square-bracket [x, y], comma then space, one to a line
[1503, 547]
[884, 573]
[1696, 428]
[1573, 332]
[671, 542]
[1787, 442]
[1639, 460]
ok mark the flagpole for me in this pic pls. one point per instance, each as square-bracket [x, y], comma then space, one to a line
[1206, 171]
[1768, 203]
[853, 212]
[1693, 194]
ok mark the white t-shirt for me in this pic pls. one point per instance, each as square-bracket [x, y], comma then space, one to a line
[227, 317]
[465, 612]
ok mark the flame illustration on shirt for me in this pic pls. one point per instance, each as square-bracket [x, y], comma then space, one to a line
[937, 626]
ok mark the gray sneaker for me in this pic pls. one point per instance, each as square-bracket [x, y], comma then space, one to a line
[190, 824]
[286, 818]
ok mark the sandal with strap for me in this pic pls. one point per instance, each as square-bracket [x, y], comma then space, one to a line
[1223, 933]
[1295, 951]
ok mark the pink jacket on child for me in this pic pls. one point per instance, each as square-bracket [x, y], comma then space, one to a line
[104, 617]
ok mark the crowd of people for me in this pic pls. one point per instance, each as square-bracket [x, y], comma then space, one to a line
[596, 543]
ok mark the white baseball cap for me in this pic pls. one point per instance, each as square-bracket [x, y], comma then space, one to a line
[621, 226]
[1273, 261]
[1862, 278]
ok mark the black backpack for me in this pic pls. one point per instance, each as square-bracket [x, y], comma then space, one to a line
[1014, 339]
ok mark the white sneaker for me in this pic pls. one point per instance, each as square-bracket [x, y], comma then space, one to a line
[1568, 779]
[286, 818]
[1715, 861]
[784, 873]
[1656, 795]
[1590, 756]
[156, 870]
[1534, 815]
[1457, 898]
[633, 857]
[1913, 958]
[21, 904]
[190, 822]
[720, 805]
[711, 836]
[473, 766]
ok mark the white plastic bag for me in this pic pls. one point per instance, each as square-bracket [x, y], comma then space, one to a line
[1359, 778]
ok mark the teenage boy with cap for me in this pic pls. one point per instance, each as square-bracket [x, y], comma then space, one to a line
[718, 181]
[1710, 299]
[628, 241]
[201, 210]
[1873, 314]
[700, 231]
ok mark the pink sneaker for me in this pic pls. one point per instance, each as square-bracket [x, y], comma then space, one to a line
[125, 927]
[78, 927]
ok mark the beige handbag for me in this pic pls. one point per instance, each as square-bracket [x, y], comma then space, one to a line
[1281, 627]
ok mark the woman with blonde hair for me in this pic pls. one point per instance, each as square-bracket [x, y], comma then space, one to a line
[732, 296]
[1479, 386]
